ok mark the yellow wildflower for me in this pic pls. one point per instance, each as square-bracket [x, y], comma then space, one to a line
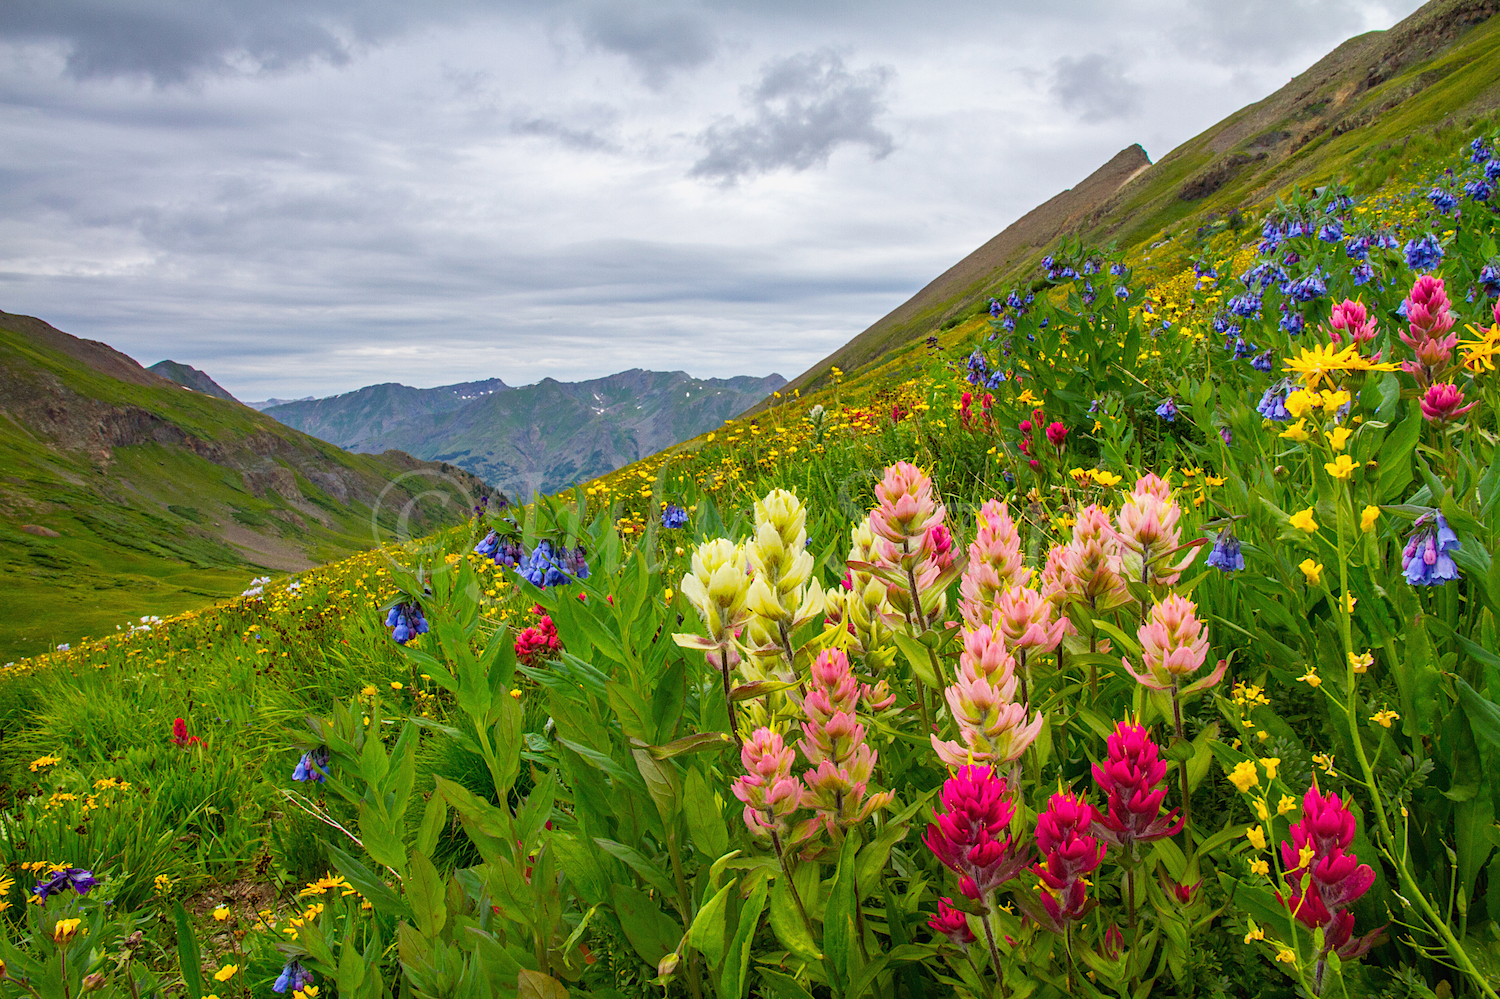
[1384, 718]
[369, 690]
[44, 761]
[221, 914]
[1479, 354]
[1296, 432]
[1341, 468]
[1361, 662]
[1258, 866]
[65, 929]
[1286, 956]
[1261, 811]
[397, 685]
[1325, 761]
[1368, 517]
[1271, 763]
[227, 972]
[1299, 402]
[1286, 804]
[1338, 437]
[1257, 837]
[1318, 365]
[1333, 400]
[1303, 520]
[1244, 776]
[1312, 570]
[1256, 933]
[1311, 677]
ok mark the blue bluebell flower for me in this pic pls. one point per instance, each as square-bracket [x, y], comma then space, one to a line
[509, 553]
[996, 379]
[406, 622]
[487, 546]
[1358, 247]
[1090, 266]
[1331, 232]
[576, 562]
[1308, 287]
[1387, 241]
[1048, 262]
[978, 368]
[1088, 293]
[1492, 170]
[1069, 273]
[1030, 297]
[1225, 326]
[1362, 273]
[1243, 348]
[1042, 325]
[1121, 291]
[1167, 410]
[1479, 151]
[1262, 362]
[293, 978]
[1426, 559]
[995, 308]
[1225, 435]
[1272, 404]
[1116, 269]
[674, 517]
[1292, 322]
[313, 766]
[1479, 190]
[1202, 269]
[1013, 299]
[1009, 323]
[1442, 199]
[1489, 279]
[1226, 555]
[1246, 305]
[1423, 253]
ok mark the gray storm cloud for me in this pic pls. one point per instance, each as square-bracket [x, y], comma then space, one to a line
[306, 196]
[804, 107]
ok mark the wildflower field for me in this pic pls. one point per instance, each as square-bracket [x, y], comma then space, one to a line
[1138, 638]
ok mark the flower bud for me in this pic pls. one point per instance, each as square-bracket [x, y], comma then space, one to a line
[93, 983]
[1280, 472]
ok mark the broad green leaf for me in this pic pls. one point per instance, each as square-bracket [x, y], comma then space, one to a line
[375, 891]
[838, 921]
[188, 955]
[650, 871]
[706, 935]
[631, 710]
[424, 892]
[704, 820]
[650, 931]
[783, 986]
[786, 922]
[737, 961]
[535, 985]
[701, 742]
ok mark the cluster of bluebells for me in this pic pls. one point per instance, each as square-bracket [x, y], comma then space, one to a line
[293, 978]
[507, 552]
[1427, 559]
[555, 566]
[312, 767]
[1226, 555]
[406, 622]
[674, 517]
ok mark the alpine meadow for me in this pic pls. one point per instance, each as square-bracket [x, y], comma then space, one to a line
[1119, 617]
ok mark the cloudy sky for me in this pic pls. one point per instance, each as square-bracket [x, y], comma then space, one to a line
[306, 196]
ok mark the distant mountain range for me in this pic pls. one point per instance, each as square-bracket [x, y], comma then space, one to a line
[541, 437]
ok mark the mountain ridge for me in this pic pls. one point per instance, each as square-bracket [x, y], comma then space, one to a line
[540, 437]
[190, 377]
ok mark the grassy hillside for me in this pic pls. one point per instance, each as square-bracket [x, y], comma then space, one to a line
[125, 494]
[1355, 117]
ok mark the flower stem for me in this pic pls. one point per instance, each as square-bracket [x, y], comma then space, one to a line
[734, 725]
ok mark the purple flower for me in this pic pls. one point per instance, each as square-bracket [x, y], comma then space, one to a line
[1246, 305]
[1308, 287]
[1292, 322]
[293, 978]
[1492, 170]
[1167, 410]
[1262, 361]
[1116, 269]
[313, 766]
[1489, 278]
[1423, 253]
[1331, 232]
[1442, 199]
[406, 622]
[1273, 404]
[1362, 273]
[1225, 435]
[1358, 248]
[1243, 348]
[674, 517]
[1121, 291]
[1226, 554]
[488, 545]
[61, 880]
[1478, 151]
[1479, 190]
[1425, 560]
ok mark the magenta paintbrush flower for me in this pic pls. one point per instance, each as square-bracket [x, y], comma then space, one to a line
[1070, 852]
[1324, 878]
[1444, 403]
[1351, 319]
[970, 836]
[1133, 779]
[952, 923]
[1174, 646]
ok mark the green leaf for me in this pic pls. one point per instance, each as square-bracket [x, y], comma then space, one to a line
[704, 820]
[737, 961]
[838, 920]
[706, 935]
[661, 784]
[787, 923]
[701, 742]
[188, 955]
[535, 985]
[630, 708]
[652, 933]
[434, 815]
[424, 892]
[650, 871]
[1395, 456]
[375, 891]
[918, 655]
[784, 986]
[607, 764]
[381, 836]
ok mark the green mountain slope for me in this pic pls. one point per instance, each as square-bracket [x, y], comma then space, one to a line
[121, 493]
[543, 437]
[1352, 116]
[190, 377]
